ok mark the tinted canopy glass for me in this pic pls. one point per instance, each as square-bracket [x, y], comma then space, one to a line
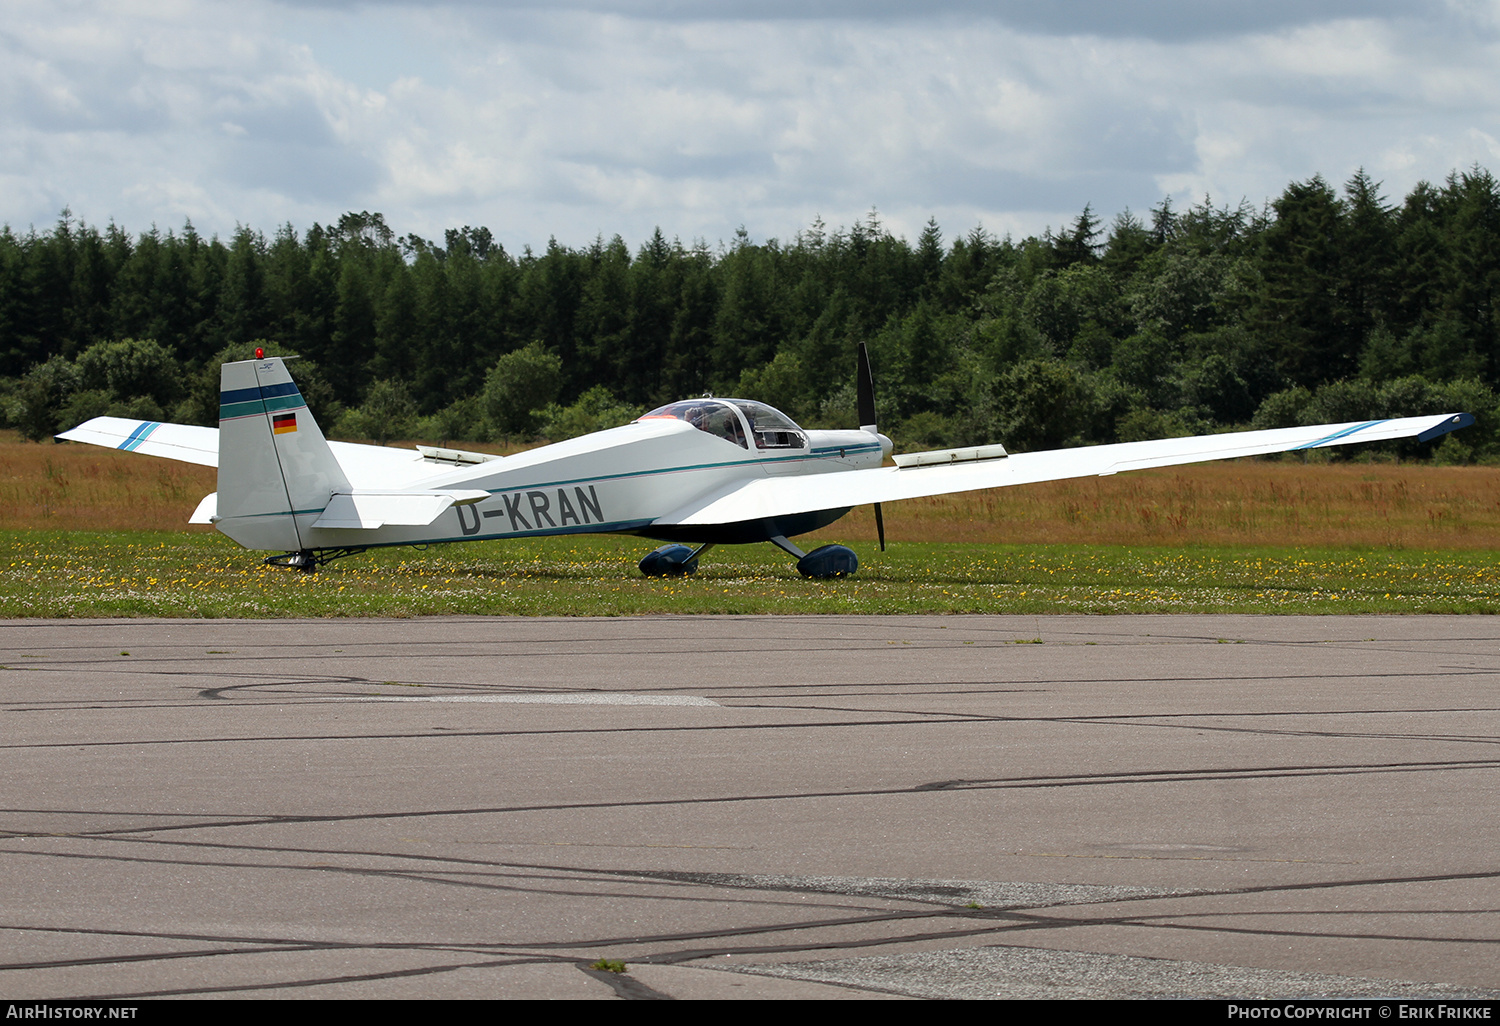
[712, 415]
[769, 427]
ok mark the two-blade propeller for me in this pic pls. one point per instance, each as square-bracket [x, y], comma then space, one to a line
[865, 391]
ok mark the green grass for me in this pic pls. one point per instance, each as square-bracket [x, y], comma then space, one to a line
[73, 574]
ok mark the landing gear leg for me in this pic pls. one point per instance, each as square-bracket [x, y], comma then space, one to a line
[785, 546]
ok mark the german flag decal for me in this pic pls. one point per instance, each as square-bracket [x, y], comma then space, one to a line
[284, 423]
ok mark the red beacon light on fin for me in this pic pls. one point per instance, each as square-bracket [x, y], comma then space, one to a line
[260, 354]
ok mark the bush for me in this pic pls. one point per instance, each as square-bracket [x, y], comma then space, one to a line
[458, 421]
[130, 368]
[595, 410]
[1142, 425]
[780, 383]
[387, 412]
[518, 386]
[36, 403]
[1282, 409]
[1046, 404]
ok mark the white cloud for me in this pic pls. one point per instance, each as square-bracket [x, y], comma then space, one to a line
[576, 119]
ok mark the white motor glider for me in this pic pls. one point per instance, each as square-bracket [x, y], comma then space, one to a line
[700, 472]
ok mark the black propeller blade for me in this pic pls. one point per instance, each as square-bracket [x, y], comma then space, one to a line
[864, 386]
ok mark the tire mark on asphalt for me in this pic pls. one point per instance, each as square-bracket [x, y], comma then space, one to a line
[871, 717]
[1102, 779]
[255, 682]
[1010, 922]
[472, 879]
[327, 981]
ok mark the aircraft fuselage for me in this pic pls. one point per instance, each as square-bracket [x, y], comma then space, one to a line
[618, 481]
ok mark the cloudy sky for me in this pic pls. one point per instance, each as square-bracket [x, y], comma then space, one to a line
[572, 118]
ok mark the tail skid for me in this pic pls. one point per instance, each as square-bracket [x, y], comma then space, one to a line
[308, 560]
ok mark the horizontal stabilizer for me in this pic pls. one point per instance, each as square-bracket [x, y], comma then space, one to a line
[183, 442]
[207, 511]
[367, 510]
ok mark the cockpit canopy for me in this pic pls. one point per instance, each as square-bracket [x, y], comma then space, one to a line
[736, 420]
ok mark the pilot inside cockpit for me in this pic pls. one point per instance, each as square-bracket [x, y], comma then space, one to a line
[710, 415]
[770, 428]
[717, 419]
[725, 424]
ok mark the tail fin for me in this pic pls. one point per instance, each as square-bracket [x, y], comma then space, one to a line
[275, 467]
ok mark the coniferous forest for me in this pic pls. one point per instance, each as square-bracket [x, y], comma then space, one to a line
[1326, 304]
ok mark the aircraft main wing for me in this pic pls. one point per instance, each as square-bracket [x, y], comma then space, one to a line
[767, 498]
[184, 442]
[366, 466]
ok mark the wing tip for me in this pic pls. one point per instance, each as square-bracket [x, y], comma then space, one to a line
[1451, 423]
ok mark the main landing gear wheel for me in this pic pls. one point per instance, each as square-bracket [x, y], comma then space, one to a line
[828, 562]
[672, 561]
[823, 563]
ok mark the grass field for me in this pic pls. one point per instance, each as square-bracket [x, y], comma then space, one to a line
[1257, 536]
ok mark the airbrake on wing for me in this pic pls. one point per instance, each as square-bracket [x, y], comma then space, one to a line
[947, 457]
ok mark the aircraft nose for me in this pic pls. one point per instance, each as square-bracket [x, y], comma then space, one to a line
[886, 445]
